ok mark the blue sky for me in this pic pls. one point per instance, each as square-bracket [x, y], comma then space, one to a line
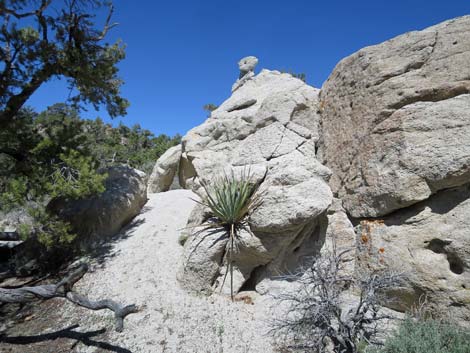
[183, 54]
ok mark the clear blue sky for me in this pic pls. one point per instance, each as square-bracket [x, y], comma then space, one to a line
[183, 54]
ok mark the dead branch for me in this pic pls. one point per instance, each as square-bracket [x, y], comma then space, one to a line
[316, 314]
[107, 26]
[64, 289]
[39, 11]
[9, 236]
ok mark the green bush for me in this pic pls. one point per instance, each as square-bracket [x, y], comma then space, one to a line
[301, 76]
[427, 336]
[57, 154]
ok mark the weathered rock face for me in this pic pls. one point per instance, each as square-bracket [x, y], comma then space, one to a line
[165, 170]
[429, 243]
[270, 127]
[393, 124]
[105, 214]
[396, 119]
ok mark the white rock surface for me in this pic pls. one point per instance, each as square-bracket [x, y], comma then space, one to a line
[270, 127]
[164, 171]
[247, 67]
[141, 269]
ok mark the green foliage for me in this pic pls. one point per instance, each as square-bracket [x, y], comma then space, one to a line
[300, 76]
[14, 194]
[58, 154]
[24, 230]
[230, 199]
[183, 238]
[209, 108]
[49, 230]
[427, 336]
[41, 40]
[76, 177]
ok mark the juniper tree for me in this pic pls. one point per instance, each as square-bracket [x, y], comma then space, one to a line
[45, 39]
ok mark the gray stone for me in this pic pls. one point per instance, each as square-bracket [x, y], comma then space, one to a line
[247, 67]
[396, 119]
[269, 126]
[203, 258]
[164, 171]
[429, 243]
[101, 216]
[247, 64]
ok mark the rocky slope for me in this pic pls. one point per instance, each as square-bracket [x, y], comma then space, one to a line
[140, 267]
[377, 160]
[384, 146]
[268, 126]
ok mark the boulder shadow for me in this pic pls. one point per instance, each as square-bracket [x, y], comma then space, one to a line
[104, 250]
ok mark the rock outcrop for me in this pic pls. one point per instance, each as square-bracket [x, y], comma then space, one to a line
[270, 127]
[165, 170]
[396, 119]
[105, 214]
[429, 243]
[391, 127]
[247, 71]
[396, 134]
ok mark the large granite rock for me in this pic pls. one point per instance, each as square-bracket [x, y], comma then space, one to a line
[396, 119]
[268, 126]
[394, 129]
[429, 243]
[104, 215]
[165, 170]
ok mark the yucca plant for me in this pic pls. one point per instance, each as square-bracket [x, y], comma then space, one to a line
[230, 199]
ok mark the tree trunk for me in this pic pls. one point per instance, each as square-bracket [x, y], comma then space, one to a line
[9, 236]
[16, 102]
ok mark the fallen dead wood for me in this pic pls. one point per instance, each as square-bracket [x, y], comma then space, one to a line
[9, 236]
[64, 289]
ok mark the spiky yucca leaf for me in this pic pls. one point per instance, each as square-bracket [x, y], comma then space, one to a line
[230, 199]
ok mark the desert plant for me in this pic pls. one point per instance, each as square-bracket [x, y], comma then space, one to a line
[316, 315]
[426, 336]
[230, 198]
[183, 238]
[209, 108]
[301, 76]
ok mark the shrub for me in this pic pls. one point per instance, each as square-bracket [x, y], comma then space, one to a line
[301, 76]
[426, 336]
[317, 320]
[209, 108]
[230, 199]
[183, 238]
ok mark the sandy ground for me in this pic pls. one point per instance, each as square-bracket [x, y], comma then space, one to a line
[141, 268]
